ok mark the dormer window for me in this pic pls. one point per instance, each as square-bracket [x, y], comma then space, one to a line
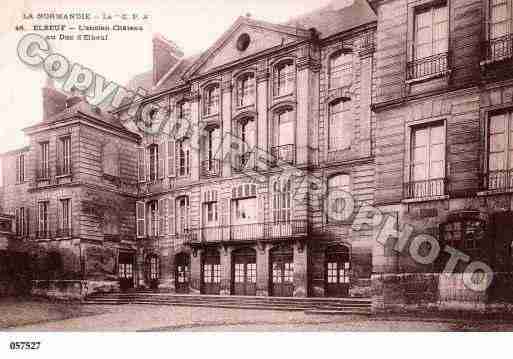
[246, 90]
[284, 77]
[211, 100]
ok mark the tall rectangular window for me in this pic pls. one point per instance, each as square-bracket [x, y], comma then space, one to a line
[20, 168]
[210, 212]
[65, 220]
[431, 31]
[153, 215]
[153, 154]
[500, 151]
[183, 158]
[284, 77]
[211, 100]
[245, 211]
[21, 221]
[246, 90]
[43, 226]
[44, 160]
[65, 160]
[340, 125]
[427, 161]
[500, 18]
[182, 215]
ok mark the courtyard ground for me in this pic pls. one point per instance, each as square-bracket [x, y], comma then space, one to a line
[39, 315]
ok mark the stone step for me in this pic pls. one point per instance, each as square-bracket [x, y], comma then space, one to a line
[308, 305]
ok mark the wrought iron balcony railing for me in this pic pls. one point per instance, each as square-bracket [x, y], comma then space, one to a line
[252, 231]
[211, 168]
[42, 174]
[63, 170]
[243, 162]
[285, 153]
[428, 66]
[43, 234]
[501, 180]
[63, 232]
[499, 49]
[425, 189]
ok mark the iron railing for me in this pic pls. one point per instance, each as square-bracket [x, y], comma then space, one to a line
[43, 234]
[423, 189]
[210, 168]
[501, 180]
[61, 170]
[499, 49]
[63, 232]
[428, 66]
[243, 162]
[42, 174]
[252, 231]
[285, 153]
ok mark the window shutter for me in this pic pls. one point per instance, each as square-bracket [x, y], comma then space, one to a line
[142, 166]
[166, 216]
[140, 219]
[162, 217]
[171, 216]
[60, 159]
[162, 156]
[18, 168]
[27, 223]
[171, 169]
[147, 161]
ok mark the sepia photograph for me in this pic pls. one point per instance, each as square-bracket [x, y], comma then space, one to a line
[255, 166]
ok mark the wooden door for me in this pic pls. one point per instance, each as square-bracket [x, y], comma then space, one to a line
[126, 271]
[244, 271]
[282, 271]
[211, 272]
[337, 270]
[182, 273]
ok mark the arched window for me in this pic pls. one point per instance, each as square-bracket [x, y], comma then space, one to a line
[337, 210]
[340, 69]
[246, 90]
[340, 125]
[284, 77]
[183, 157]
[281, 201]
[211, 100]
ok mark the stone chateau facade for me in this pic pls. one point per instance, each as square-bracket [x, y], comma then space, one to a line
[406, 105]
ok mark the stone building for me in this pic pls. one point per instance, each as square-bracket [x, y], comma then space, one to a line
[443, 100]
[405, 105]
[233, 200]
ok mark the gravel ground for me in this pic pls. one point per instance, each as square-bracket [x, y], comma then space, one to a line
[134, 317]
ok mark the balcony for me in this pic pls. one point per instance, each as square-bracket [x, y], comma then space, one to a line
[428, 67]
[63, 233]
[499, 49]
[211, 168]
[500, 181]
[244, 162]
[252, 232]
[285, 153]
[427, 189]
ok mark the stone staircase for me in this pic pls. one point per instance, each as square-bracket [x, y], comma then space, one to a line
[361, 306]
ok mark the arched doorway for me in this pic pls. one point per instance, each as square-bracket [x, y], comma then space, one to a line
[182, 271]
[244, 271]
[126, 270]
[337, 269]
[282, 271]
[211, 272]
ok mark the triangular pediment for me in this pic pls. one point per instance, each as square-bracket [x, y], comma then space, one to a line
[262, 36]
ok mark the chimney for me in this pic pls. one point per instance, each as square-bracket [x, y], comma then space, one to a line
[54, 101]
[166, 54]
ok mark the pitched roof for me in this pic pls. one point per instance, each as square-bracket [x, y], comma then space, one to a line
[333, 18]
